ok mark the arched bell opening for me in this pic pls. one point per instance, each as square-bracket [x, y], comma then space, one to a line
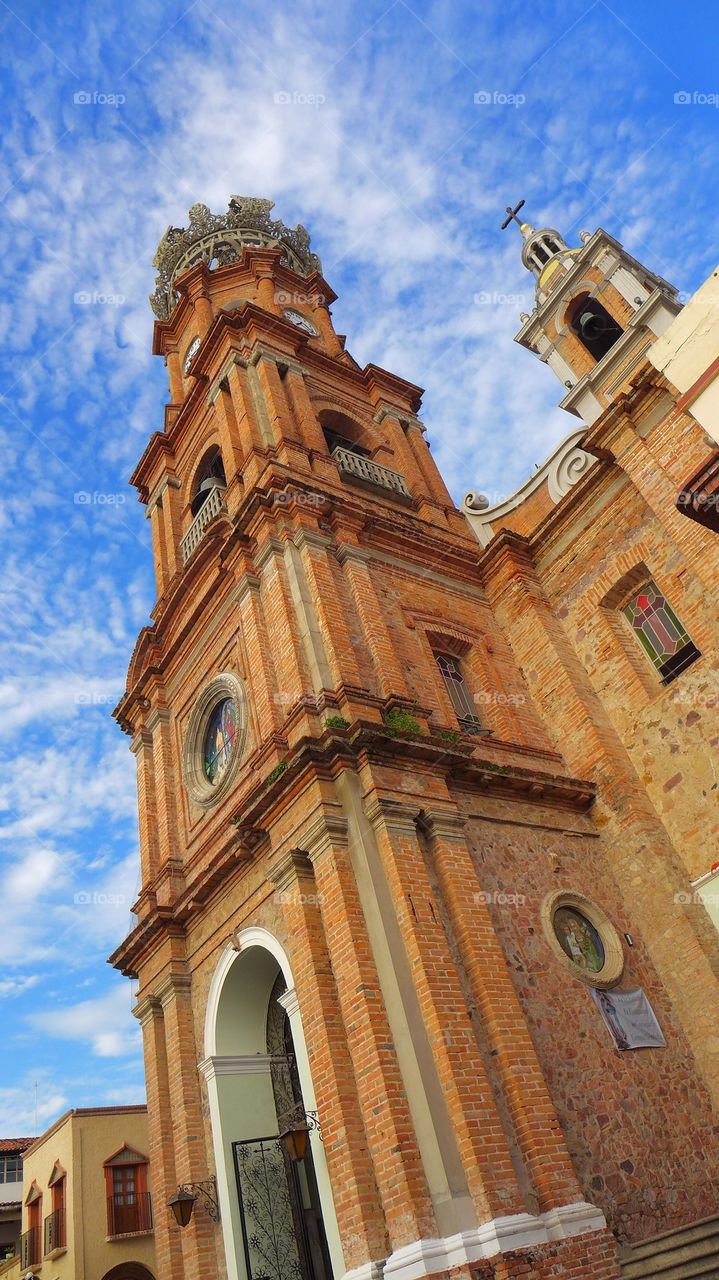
[341, 431]
[209, 475]
[593, 325]
[278, 1216]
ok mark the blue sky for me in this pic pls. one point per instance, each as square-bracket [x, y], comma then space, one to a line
[360, 121]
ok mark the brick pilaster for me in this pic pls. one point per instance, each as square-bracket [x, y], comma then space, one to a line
[480, 1137]
[185, 1108]
[355, 1194]
[168, 1248]
[399, 1173]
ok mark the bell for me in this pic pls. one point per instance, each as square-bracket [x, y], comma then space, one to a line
[590, 325]
[211, 482]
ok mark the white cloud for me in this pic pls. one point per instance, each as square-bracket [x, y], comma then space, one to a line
[105, 1024]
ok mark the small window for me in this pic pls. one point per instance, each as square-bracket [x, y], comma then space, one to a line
[659, 632]
[10, 1168]
[456, 687]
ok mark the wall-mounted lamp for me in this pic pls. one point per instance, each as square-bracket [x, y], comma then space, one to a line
[183, 1203]
[294, 1131]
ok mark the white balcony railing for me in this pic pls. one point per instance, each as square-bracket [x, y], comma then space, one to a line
[354, 464]
[211, 507]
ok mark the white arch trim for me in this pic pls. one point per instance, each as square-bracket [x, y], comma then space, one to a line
[215, 1067]
[242, 941]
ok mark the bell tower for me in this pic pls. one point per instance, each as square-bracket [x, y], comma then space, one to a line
[597, 311]
[362, 851]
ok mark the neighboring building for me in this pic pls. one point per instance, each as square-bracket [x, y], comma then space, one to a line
[422, 977]
[87, 1199]
[688, 353]
[11, 1153]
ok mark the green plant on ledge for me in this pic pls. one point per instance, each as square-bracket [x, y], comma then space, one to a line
[401, 722]
[337, 722]
[449, 735]
[277, 771]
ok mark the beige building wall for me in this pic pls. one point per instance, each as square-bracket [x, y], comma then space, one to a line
[82, 1141]
[688, 354]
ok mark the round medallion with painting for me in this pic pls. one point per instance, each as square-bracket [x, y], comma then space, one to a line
[220, 739]
[579, 939]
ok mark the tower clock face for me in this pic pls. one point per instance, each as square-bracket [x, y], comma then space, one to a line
[192, 351]
[300, 321]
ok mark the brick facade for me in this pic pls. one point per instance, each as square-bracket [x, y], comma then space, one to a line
[468, 1095]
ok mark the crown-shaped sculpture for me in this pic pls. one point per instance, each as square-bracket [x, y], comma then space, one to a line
[219, 238]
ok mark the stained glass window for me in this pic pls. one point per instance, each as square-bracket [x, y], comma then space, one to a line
[659, 632]
[220, 739]
[456, 687]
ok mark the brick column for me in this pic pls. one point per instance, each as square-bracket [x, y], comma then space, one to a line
[329, 608]
[199, 1257]
[282, 621]
[310, 429]
[260, 670]
[169, 502]
[388, 672]
[174, 373]
[159, 553]
[526, 1096]
[399, 1173]
[480, 1137]
[249, 429]
[230, 444]
[147, 805]
[163, 1178]
[354, 1189]
[166, 789]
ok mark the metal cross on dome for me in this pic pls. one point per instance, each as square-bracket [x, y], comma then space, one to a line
[512, 215]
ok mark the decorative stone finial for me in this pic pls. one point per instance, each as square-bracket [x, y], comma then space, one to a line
[219, 239]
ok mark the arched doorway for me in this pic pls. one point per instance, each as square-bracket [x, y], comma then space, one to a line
[278, 1216]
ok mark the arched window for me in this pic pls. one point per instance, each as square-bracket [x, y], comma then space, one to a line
[593, 325]
[340, 431]
[210, 475]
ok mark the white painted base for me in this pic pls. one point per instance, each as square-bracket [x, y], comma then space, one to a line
[500, 1235]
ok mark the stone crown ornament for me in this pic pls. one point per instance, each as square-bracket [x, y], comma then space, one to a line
[219, 239]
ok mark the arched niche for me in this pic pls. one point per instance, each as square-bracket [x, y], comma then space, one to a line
[238, 1072]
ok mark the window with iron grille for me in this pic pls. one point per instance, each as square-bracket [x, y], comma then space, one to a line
[456, 686]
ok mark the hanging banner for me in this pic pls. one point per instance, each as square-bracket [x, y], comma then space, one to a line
[630, 1018]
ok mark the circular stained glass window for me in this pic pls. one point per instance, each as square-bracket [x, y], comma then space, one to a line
[220, 740]
[579, 939]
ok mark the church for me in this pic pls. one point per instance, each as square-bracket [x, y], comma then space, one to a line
[427, 971]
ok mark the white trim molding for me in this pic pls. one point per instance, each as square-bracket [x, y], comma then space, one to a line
[564, 468]
[243, 1064]
[499, 1235]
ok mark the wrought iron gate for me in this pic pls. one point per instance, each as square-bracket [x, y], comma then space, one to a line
[272, 1229]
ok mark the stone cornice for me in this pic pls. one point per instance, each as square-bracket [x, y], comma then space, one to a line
[442, 823]
[394, 815]
[291, 866]
[314, 757]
